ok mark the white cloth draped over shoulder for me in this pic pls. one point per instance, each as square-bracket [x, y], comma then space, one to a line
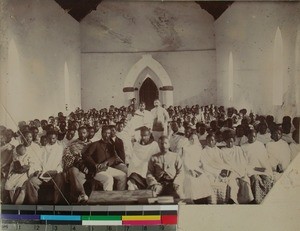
[182, 143]
[65, 142]
[295, 150]
[174, 139]
[279, 153]
[35, 157]
[126, 138]
[257, 156]
[143, 118]
[15, 180]
[141, 154]
[213, 162]
[196, 183]
[264, 138]
[239, 181]
[236, 159]
[140, 119]
[50, 159]
[160, 118]
[239, 141]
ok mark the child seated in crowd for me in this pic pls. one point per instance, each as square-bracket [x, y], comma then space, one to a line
[18, 175]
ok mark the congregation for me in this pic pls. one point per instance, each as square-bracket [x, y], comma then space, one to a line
[202, 153]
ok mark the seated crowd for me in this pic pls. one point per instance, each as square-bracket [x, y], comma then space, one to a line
[184, 152]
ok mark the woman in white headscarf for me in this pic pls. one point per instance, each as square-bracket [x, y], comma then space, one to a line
[197, 185]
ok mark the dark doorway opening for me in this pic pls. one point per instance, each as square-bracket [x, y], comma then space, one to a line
[148, 93]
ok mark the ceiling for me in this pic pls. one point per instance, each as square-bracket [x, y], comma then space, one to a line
[215, 8]
[78, 9]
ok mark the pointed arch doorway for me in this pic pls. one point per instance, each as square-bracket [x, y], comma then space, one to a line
[148, 93]
[145, 68]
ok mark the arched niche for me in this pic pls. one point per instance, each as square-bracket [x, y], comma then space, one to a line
[147, 67]
[278, 69]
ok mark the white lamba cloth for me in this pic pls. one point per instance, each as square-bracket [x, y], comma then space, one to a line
[195, 187]
[279, 153]
[257, 158]
[52, 157]
[140, 157]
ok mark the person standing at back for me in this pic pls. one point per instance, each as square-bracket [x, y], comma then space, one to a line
[160, 122]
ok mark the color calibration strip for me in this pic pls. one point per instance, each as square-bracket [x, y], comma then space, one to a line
[108, 215]
[146, 220]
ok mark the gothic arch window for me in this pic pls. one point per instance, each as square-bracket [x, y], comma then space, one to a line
[278, 69]
[15, 88]
[230, 79]
[297, 72]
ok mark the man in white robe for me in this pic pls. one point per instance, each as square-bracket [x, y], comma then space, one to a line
[201, 133]
[124, 135]
[262, 135]
[239, 184]
[259, 167]
[69, 138]
[146, 118]
[295, 146]
[183, 142]
[175, 137]
[218, 172]
[196, 184]
[98, 131]
[212, 160]
[138, 164]
[47, 169]
[279, 153]
[141, 118]
[160, 120]
[240, 137]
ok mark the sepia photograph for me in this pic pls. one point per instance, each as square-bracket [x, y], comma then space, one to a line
[147, 102]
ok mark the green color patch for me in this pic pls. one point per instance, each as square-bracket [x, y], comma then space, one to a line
[102, 218]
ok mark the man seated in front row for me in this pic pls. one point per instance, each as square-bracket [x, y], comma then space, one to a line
[138, 164]
[165, 172]
[46, 169]
[74, 166]
[279, 153]
[104, 164]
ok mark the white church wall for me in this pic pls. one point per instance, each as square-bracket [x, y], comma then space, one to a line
[118, 34]
[248, 29]
[41, 44]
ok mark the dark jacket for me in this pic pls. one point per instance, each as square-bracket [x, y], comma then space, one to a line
[99, 152]
[119, 148]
